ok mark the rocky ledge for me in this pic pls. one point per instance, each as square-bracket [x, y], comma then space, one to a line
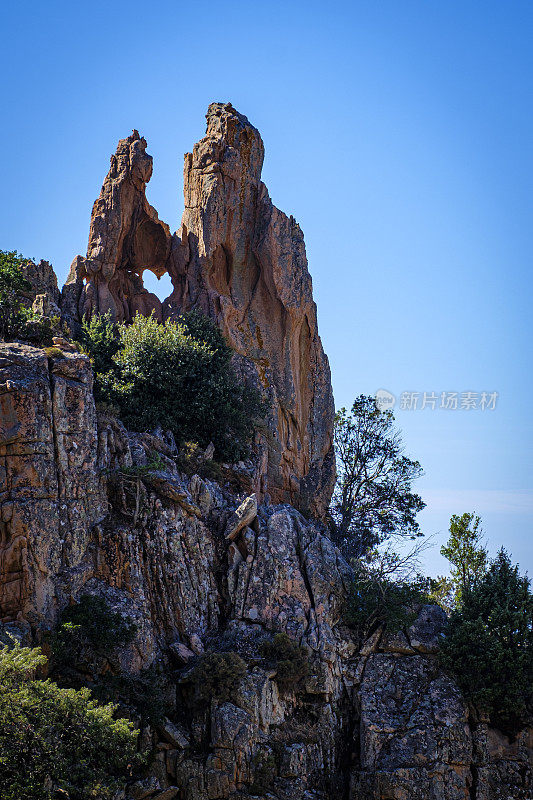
[89, 507]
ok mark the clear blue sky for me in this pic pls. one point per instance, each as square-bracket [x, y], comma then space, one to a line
[400, 136]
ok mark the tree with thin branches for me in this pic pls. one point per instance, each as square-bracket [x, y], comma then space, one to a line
[373, 499]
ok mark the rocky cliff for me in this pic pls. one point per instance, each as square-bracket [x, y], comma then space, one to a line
[205, 566]
[83, 512]
[238, 259]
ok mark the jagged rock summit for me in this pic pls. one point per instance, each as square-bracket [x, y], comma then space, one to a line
[241, 261]
[204, 567]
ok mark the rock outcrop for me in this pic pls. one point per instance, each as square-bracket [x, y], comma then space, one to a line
[45, 294]
[126, 237]
[83, 512]
[247, 268]
[205, 570]
[241, 261]
[49, 496]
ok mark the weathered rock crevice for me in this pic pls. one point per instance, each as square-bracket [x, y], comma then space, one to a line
[241, 261]
[201, 566]
[367, 723]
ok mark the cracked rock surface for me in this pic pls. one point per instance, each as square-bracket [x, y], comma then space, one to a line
[238, 259]
[370, 720]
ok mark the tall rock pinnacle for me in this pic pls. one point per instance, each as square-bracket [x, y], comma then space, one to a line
[241, 261]
[126, 236]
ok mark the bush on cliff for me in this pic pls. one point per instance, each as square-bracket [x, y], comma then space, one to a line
[489, 644]
[53, 738]
[216, 676]
[387, 603]
[99, 339]
[142, 692]
[177, 375]
[90, 624]
[386, 591]
[291, 661]
[13, 288]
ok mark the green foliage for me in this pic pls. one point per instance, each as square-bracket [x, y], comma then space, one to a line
[106, 409]
[372, 500]
[264, 770]
[53, 352]
[291, 660]
[216, 676]
[39, 330]
[99, 339]
[143, 693]
[13, 288]
[53, 738]
[191, 461]
[441, 591]
[155, 464]
[378, 599]
[177, 375]
[90, 624]
[465, 552]
[489, 644]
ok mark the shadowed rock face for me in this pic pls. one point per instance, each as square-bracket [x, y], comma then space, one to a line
[241, 261]
[81, 513]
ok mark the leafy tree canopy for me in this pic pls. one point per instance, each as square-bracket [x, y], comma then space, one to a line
[373, 500]
[465, 553]
[178, 375]
[13, 287]
[53, 738]
[489, 644]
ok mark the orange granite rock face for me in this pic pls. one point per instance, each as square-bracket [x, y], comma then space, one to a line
[247, 269]
[241, 261]
[50, 494]
[126, 236]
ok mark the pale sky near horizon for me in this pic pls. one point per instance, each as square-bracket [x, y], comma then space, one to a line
[400, 136]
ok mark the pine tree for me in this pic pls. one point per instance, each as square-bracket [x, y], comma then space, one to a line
[489, 644]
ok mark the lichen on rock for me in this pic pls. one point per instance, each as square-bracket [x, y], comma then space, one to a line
[210, 571]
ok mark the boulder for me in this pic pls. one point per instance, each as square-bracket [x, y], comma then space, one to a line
[244, 515]
[173, 734]
[427, 631]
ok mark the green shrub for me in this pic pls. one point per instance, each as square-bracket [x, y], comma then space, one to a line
[53, 738]
[291, 660]
[177, 375]
[109, 410]
[39, 330]
[489, 644]
[264, 770]
[155, 464]
[90, 623]
[53, 352]
[143, 692]
[13, 288]
[191, 461]
[99, 339]
[216, 676]
[378, 600]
